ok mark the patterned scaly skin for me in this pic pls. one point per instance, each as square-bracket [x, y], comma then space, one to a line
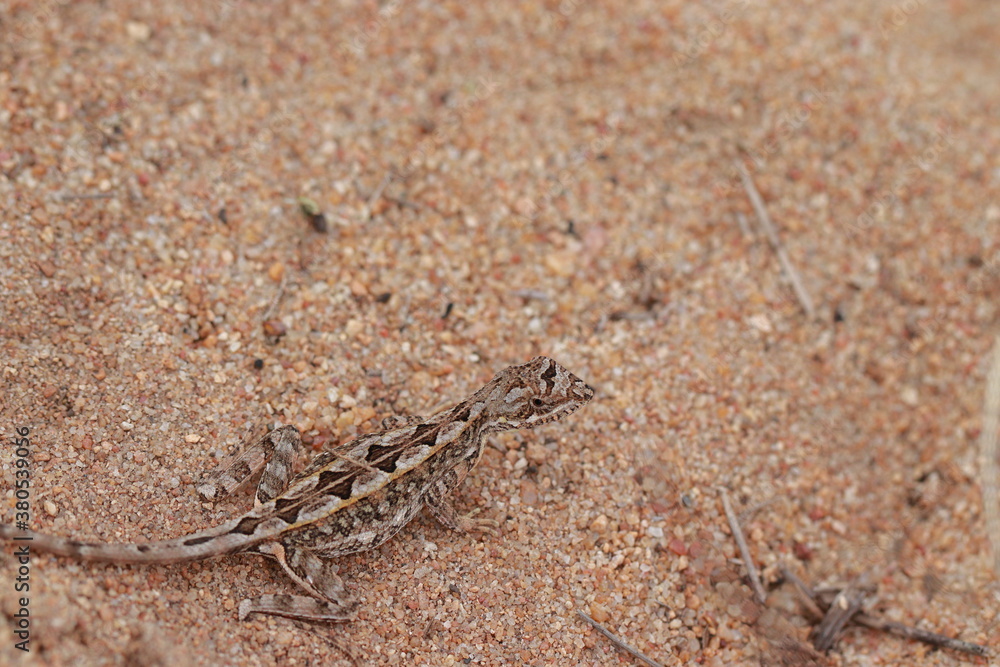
[352, 498]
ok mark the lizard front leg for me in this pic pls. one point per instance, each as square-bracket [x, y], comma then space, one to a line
[437, 503]
[330, 600]
[436, 499]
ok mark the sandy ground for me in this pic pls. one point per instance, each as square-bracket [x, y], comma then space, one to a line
[497, 183]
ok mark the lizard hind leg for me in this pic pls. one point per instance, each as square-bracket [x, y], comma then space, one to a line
[286, 442]
[274, 453]
[330, 601]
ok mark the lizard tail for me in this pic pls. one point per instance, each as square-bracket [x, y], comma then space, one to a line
[218, 541]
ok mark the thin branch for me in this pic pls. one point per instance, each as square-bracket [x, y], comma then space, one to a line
[806, 594]
[531, 294]
[816, 605]
[839, 613]
[734, 525]
[989, 465]
[405, 203]
[926, 636]
[744, 225]
[343, 220]
[334, 642]
[99, 195]
[749, 513]
[613, 638]
[772, 237]
[276, 299]
[378, 192]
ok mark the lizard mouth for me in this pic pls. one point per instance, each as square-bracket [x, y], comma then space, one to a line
[582, 393]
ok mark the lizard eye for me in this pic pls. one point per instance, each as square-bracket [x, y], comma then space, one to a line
[537, 402]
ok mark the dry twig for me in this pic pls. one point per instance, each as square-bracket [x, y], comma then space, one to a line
[406, 203]
[806, 594]
[98, 195]
[613, 638]
[377, 194]
[839, 613]
[276, 299]
[816, 605]
[744, 225]
[772, 237]
[925, 636]
[337, 644]
[734, 525]
[989, 466]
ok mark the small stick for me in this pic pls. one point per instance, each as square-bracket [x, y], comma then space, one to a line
[816, 604]
[749, 512]
[406, 203]
[806, 594]
[531, 294]
[378, 191]
[744, 225]
[100, 195]
[734, 525]
[916, 633]
[844, 607]
[337, 644]
[989, 465]
[271, 307]
[345, 221]
[772, 236]
[618, 642]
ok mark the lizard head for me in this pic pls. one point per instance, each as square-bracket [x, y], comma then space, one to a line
[534, 393]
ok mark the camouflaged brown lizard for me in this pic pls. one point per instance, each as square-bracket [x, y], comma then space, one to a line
[350, 499]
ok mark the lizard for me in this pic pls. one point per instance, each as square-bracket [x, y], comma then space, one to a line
[348, 499]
